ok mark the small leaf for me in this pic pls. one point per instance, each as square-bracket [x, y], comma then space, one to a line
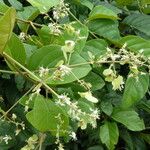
[101, 11]
[135, 90]
[6, 27]
[45, 116]
[129, 118]
[44, 6]
[109, 134]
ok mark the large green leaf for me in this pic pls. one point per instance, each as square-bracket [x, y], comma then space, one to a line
[15, 48]
[45, 116]
[135, 90]
[109, 134]
[106, 28]
[135, 43]
[28, 13]
[140, 22]
[43, 5]
[49, 56]
[129, 118]
[101, 11]
[6, 26]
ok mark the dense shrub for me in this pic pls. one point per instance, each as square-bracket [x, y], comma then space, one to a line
[74, 74]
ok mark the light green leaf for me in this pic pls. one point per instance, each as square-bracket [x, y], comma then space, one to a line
[140, 22]
[6, 27]
[109, 134]
[44, 116]
[49, 56]
[44, 6]
[87, 3]
[28, 13]
[135, 90]
[16, 49]
[101, 11]
[135, 44]
[16, 4]
[3, 7]
[106, 28]
[129, 118]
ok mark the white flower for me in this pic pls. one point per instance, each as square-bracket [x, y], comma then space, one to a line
[43, 71]
[22, 36]
[63, 100]
[64, 70]
[95, 113]
[6, 138]
[14, 116]
[118, 83]
[88, 96]
[73, 135]
[69, 46]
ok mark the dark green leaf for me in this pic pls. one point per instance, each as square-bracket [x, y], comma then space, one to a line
[109, 134]
[135, 90]
[106, 28]
[129, 118]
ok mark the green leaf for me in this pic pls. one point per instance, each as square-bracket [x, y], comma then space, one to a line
[97, 47]
[49, 56]
[44, 6]
[95, 80]
[124, 2]
[140, 22]
[146, 137]
[135, 44]
[16, 4]
[15, 48]
[6, 27]
[129, 118]
[3, 7]
[87, 3]
[101, 11]
[28, 13]
[44, 116]
[96, 147]
[106, 28]
[106, 107]
[109, 134]
[139, 88]
[68, 35]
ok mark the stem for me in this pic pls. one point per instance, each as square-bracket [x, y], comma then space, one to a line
[25, 21]
[80, 22]
[5, 113]
[30, 73]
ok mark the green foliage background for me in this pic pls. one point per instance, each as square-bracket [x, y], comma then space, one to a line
[124, 115]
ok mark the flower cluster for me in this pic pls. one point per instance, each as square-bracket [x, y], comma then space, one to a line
[61, 10]
[76, 114]
[55, 29]
[60, 72]
[31, 143]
